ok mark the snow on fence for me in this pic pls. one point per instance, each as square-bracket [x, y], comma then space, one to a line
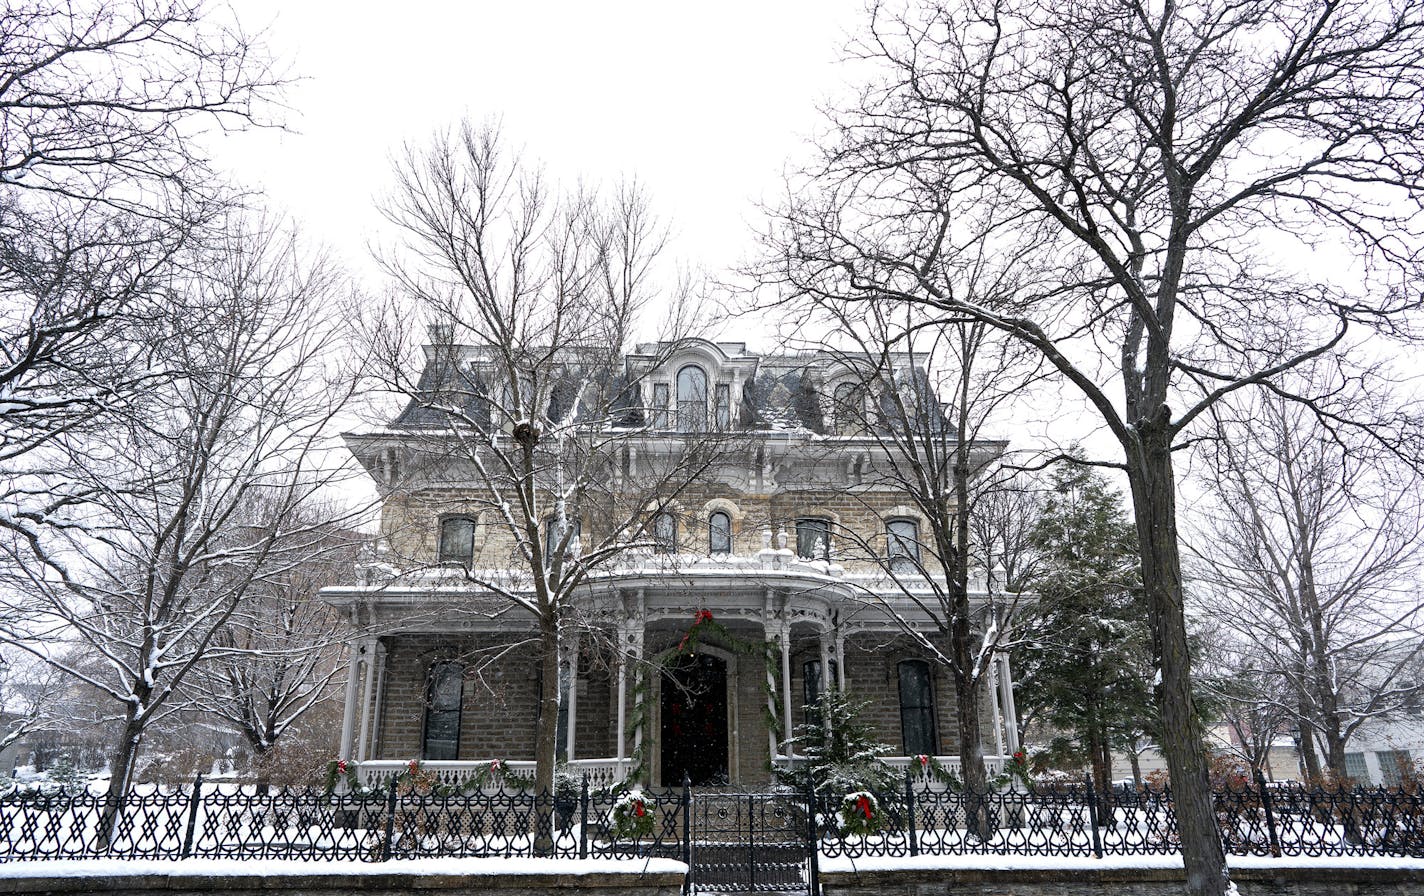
[436, 819]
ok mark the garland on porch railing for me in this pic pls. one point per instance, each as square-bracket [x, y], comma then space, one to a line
[703, 624]
[415, 777]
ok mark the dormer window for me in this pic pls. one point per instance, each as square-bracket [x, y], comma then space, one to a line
[692, 399]
[724, 407]
[849, 409]
[659, 415]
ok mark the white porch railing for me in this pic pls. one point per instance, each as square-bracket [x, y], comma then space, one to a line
[377, 773]
[921, 771]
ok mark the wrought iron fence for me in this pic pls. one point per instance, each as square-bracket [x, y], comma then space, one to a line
[1079, 820]
[228, 821]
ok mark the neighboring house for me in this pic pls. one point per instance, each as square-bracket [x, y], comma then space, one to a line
[771, 542]
[1384, 749]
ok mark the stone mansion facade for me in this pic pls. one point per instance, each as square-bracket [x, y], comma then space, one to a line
[771, 554]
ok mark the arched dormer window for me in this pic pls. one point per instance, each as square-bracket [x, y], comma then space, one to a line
[719, 533]
[444, 693]
[665, 533]
[849, 409]
[692, 399]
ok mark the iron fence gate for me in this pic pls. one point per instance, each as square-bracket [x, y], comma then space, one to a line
[756, 842]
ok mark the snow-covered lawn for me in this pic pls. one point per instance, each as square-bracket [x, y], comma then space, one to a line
[281, 867]
[1088, 863]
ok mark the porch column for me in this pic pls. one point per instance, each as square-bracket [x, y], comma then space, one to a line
[840, 661]
[786, 686]
[769, 635]
[367, 694]
[996, 693]
[639, 627]
[571, 665]
[1006, 682]
[622, 660]
[378, 700]
[348, 713]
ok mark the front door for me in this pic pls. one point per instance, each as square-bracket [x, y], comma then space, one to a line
[694, 720]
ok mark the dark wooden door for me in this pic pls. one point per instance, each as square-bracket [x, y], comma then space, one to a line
[694, 720]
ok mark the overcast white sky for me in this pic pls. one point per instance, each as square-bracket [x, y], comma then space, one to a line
[704, 103]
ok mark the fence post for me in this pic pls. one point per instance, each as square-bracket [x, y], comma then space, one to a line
[813, 837]
[390, 822]
[194, 799]
[1270, 814]
[1093, 815]
[910, 814]
[583, 818]
[687, 831]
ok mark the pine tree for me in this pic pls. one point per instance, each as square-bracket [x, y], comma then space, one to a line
[1088, 676]
[841, 754]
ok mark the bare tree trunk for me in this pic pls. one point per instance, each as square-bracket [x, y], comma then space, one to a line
[1153, 486]
[546, 734]
[121, 771]
[1136, 762]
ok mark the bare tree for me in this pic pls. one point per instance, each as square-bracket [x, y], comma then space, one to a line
[924, 393]
[170, 548]
[29, 689]
[1318, 533]
[102, 180]
[531, 298]
[1150, 174]
[276, 659]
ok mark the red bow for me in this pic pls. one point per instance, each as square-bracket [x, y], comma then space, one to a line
[638, 808]
[702, 616]
[864, 803]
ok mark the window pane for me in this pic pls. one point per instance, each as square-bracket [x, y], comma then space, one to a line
[902, 546]
[554, 535]
[659, 415]
[1355, 767]
[457, 540]
[665, 533]
[1392, 763]
[813, 539]
[724, 406]
[849, 408]
[691, 399]
[916, 708]
[442, 711]
[719, 533]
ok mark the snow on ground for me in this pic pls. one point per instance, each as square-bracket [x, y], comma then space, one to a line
[275, 867]
[1088, 863]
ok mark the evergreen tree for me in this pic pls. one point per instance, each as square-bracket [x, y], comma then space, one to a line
[841, 754]
[1088, 676]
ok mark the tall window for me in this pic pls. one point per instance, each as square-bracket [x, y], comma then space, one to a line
[849, 407]
[813, 538]
[917, 728]
[665, 533]
[724, 406]
[1392, 765]
[902, 546]
[1355, 767]
[442, 711]
[719, 533]
[659, 415]
[814, 685]
[554, 535]
[457, 540]
[691, 399]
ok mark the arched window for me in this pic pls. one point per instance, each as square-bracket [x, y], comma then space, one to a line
[917, 727]
[457, 540]
[902, 546]
[849, 408]
[813, 538]
[443, 695]
[719, 533]
[691, 399]
[665, 533]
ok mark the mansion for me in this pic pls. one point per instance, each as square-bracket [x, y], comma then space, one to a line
[786, 566]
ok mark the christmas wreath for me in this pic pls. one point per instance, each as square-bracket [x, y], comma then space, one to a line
[631, 817]
[860, 814]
